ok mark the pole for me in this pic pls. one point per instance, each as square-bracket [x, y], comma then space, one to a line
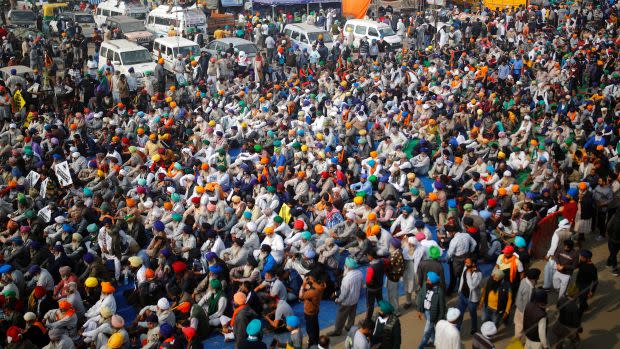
[273, 12]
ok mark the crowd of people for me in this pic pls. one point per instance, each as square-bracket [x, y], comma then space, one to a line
[214, 199]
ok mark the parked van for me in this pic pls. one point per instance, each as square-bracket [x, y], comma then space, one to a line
[181, 19]
[119, 8]
[131, 29]
[125, 54]
[305, 35]
[83, 19]
[372, 31]
[170, 47]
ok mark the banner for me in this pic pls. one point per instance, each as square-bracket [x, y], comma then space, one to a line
[18, 101]
[45, 214]
[63, 174]
[43, 190]
[32, 178]
[355, 8]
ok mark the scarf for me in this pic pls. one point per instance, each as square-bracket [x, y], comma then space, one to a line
[234, 316]
[513, 266]
[213, 300]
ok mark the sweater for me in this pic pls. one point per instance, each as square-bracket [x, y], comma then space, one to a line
[433, 300]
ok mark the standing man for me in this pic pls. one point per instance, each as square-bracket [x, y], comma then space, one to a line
[160, 76]
[350, 290]
[311, 292]
[432, 303]
[394, 272]
[447, 334]
[523, 297]
[374, 281]
[587, 279]
[613, 243]
[567, 260]
[535, 321]
[469, 293]
[386, 334]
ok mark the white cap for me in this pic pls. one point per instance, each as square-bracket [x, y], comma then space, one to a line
[488, 329]
[60, 219]
[29, 316]
[75, 154]
[251, 227]
[170, 190]
[507, 173]
[163, 304]
[453, 314]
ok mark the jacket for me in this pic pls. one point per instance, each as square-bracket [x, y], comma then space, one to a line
[532, 315]
[437, 305]
[242, 320]
[396, 268]
[375, 274]
[387, 334]
[473, 279]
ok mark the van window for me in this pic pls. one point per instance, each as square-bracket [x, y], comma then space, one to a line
[360, 29]
[348, 27]
[156, 46]
[169, 51]
[98, 12]
[295, 36]
[104, 51]
[288, 32]
[141, 16]
[105, 13]
[150, 19]
[117, 57]
[116, 13]
[109, 55]
[162, 21]
[372, 32]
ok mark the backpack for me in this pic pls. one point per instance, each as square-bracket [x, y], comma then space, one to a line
[348, 342]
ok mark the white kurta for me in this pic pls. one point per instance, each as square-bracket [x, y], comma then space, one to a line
[447, 336]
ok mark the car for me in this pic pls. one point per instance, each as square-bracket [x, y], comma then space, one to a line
[221, 45]
[22, 70]
[131, 29]
[125, 54]
[305, 35]
[86, 21]
[22, 18]
[372, 30]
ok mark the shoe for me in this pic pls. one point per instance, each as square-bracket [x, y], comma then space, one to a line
[407, 305]
[600, 238]
[615, 272]
[334, 334]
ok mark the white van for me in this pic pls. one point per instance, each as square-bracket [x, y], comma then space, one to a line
[163, 17]
[372, 31]
[170, 47]
[125, 54]
[304, 35]
[119, 8]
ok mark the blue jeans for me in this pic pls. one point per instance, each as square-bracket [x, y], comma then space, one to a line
[464, 302]
[429, 331]
[489, 314]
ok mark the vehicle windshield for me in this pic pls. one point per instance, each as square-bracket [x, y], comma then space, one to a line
[386, 31]
[314, 36]
[187, 50]
[140, 16]
[247, 48]
[132, 27]
[135, 57]
[22, 16]
[84, 19]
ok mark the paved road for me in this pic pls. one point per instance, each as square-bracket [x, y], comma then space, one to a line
[601, 325]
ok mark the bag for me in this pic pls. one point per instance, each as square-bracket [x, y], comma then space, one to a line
[515, 343]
